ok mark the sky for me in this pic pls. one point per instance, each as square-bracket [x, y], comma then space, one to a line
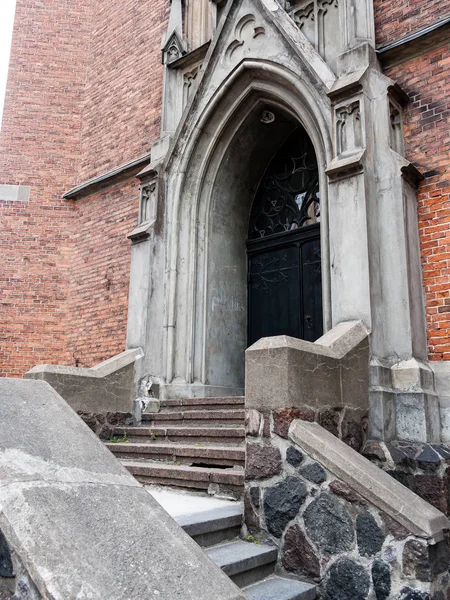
[6, 23]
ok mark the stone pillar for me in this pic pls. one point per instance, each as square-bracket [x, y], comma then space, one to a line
[198, 22]
[374, 246]
[173, 48]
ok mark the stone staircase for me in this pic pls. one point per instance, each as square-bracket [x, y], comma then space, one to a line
[251, 566]
[196, 443]
[199, 444]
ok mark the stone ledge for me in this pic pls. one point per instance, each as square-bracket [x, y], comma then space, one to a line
[103, 369]
[285, 372]
[107, 387]
[370, 482]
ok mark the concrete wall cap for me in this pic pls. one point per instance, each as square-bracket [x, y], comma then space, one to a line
[373, 484]
[336, 343]
[103, 369]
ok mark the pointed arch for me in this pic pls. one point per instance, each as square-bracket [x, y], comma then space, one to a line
[194, 172]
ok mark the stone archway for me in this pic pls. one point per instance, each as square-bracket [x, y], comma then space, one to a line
[213, 192]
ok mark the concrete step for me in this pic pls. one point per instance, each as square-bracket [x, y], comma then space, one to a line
[187, 404]
[194, 417]
[279, 588]
[213, 526]
[232, 434]
[180, 453]
[244, 562]
[200, 478]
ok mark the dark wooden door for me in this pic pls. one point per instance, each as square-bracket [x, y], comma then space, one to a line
[284, 258]
[285, 289]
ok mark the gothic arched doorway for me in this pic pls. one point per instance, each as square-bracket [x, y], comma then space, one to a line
[284, 257]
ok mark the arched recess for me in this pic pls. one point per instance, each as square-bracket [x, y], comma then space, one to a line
[211, 184]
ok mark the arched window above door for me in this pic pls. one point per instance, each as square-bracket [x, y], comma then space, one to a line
[288, 197]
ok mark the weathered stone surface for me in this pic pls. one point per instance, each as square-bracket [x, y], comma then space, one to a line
[381, 577]
[107, 387]
[410, 594]
[283, 417]
[251, 518]
[252, 422]
[329, 420]
[428, 459]
[255, 496]
[314, 473]
[352, 433]
[262, 461]
[344, 491]
[439, 557]
[294, 457]
[373, 451]
[297, 555]
[103, 424]
[369, 535]
[398, 456]
[329, 525]
[282, 503]
[415, 560]
[444, 451]
[83, 523]
[374, 484]
[6, 565]
[395, 529]
[347, 580]
[266, 424]
[433, 489]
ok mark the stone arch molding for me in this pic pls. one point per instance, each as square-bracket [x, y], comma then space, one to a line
[218, 111]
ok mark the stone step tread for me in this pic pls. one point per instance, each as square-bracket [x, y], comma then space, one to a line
[187, 402]
[236, 557]
[171, 449]
[192, 415]
[224, 431]
[232, 476]
[209, 521]
[279, 588]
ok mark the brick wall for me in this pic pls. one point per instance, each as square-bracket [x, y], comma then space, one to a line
[100, 272]
[84, 95]
[427, 137]
[122, 110]
[395, 19]
[39, 145]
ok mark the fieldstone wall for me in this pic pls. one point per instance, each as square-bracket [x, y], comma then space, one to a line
[15, 581]
[423, 468]
[347, 424]
[103, 424]
[326, 531]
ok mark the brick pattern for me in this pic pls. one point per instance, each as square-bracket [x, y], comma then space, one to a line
[399, 18]
[100, 273]
[39, 145]
[84, 95]
[427, 144]
[121, 116]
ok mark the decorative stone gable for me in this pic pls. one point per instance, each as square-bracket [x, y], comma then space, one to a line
[319, 20]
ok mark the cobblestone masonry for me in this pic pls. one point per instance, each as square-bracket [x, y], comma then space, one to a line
[328, 534]
[423, 468]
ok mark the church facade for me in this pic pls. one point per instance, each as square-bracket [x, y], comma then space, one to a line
[282, 171]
